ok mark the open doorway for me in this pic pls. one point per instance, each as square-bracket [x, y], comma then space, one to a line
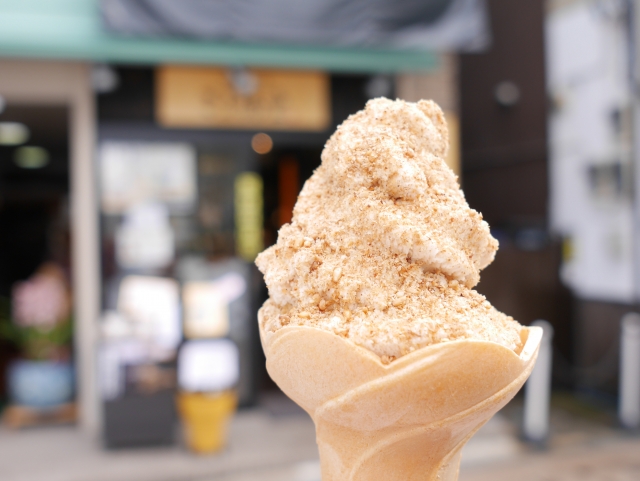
[35, 268]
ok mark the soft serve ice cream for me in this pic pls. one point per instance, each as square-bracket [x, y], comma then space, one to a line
[383, 249]
[373, 326]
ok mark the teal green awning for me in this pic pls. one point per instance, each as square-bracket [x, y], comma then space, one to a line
[72, 29]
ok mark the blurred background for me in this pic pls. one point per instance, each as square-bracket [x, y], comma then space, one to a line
[149, 149]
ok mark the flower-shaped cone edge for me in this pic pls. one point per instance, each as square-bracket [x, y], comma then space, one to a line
[407, 420]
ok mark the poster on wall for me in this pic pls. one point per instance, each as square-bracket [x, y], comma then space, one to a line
[206, 305]
[152, 304]
[210, 365]
[248, 204]
[145, 239]
[133, 173]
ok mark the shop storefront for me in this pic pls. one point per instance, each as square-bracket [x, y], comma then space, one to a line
[184, 158]
[194, 181]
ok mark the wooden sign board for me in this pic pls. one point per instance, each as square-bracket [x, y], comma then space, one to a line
[219, 98]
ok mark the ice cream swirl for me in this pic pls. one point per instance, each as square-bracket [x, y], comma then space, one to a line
[383, 248]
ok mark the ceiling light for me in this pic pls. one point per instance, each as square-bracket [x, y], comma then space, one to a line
[13, 133]
[379, 86]
[30, 157]
[261, 143]
[104, 78]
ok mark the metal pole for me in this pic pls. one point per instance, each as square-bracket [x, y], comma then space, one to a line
[537, 390]
[629, 399]
[634, 48]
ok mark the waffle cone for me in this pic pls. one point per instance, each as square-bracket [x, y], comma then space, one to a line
[407, 420]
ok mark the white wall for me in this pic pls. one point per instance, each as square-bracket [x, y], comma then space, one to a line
[588, 72]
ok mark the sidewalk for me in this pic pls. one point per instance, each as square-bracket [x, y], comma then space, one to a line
[259, 441]
[617, 460]
[584, 446]
[277, 443]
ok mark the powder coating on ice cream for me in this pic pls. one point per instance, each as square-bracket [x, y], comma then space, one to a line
[383, 249]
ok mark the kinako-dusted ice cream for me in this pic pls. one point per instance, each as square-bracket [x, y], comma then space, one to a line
[372, 324]
[383, 249]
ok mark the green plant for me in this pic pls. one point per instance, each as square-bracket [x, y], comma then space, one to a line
[36, 343]
[38, 316]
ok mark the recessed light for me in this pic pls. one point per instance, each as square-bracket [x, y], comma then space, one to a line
[30, 157]
[13, 133]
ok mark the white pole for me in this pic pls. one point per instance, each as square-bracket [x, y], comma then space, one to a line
[537, 390]
[629, 401]
[85, 241]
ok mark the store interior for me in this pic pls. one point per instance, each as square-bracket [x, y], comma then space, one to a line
[34, 213]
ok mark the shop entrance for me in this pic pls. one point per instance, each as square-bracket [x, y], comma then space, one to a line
[35, 292]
